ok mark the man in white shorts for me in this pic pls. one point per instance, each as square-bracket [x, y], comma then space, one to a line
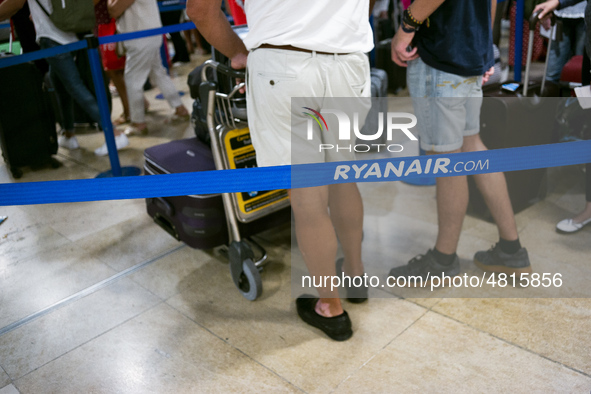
[312, 49]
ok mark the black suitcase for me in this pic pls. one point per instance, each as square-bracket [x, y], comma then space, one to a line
[514, 122]
[511, 119]
[197, 220]
[27, 124]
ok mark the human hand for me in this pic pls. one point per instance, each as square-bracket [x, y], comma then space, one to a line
[487, 75]
[400, 44]
[238, 62]
[546, 8]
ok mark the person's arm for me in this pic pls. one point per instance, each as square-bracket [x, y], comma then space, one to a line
[10, 7]
[551, 5]
[493, 13]
[213, 25]
[420, 9]
[118, 7]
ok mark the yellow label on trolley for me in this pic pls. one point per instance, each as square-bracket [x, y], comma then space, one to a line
[241, 154]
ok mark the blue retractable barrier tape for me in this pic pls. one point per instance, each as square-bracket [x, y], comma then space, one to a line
[41, 54]
[296, 176]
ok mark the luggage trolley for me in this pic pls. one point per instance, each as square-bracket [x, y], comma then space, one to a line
[232, 148]
[207, 221]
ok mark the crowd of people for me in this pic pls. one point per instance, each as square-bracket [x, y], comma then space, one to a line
[318, 50]
[294, 50]
[128, 68]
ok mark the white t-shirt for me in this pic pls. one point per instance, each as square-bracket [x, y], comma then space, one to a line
[141, 15]
[339, 26]
[44, 27]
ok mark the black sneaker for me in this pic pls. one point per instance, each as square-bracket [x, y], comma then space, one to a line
[425, 266]
[355, 294]
[336, 327]
[495, 260]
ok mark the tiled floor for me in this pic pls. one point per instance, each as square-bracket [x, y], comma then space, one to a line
[94, 297]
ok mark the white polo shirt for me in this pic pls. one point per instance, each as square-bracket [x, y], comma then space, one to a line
[339, 26]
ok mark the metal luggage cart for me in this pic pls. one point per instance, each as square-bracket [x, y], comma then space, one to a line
[231, 147]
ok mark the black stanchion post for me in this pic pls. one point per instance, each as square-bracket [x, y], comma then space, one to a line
[103, 104]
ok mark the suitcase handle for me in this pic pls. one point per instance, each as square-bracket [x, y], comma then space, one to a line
[533, 19]
[229, 71]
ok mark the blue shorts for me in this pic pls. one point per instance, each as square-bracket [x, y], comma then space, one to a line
[447, 106]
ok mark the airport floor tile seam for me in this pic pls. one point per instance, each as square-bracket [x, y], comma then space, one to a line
[512, 343]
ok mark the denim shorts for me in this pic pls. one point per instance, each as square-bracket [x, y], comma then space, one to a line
[447, 106]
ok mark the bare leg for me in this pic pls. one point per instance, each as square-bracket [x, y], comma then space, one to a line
[187, 34]
[118, 80]
[584, 215]
[317, 241]
[198, 42]
[494, 190]
[346, 213]
[452, 202]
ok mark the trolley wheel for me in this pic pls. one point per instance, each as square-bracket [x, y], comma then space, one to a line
[250, 283]
[16, 172]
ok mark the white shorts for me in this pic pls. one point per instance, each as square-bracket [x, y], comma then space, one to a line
[275, 76]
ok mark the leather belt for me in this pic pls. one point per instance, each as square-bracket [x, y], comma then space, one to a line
[292, 48]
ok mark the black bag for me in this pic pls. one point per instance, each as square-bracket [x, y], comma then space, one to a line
[27, 124]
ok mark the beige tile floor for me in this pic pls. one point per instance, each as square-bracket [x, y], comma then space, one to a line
[94, 297]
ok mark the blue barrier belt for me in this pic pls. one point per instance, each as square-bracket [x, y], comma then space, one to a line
[42, 54]
[45, 53]
[145, 33]
[296, 176]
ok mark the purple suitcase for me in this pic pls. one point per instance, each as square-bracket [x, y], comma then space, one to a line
[197, 220]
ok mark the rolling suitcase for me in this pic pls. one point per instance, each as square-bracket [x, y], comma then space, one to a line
[27, 124]
[198, 221]
[514, 119]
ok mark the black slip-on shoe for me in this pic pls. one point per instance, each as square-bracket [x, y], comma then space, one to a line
[355, 294]
[336, 327]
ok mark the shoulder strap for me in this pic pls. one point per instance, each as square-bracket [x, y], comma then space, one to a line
[43, 8]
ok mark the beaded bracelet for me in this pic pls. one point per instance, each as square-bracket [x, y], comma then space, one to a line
[412, 18]
[411, 21]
